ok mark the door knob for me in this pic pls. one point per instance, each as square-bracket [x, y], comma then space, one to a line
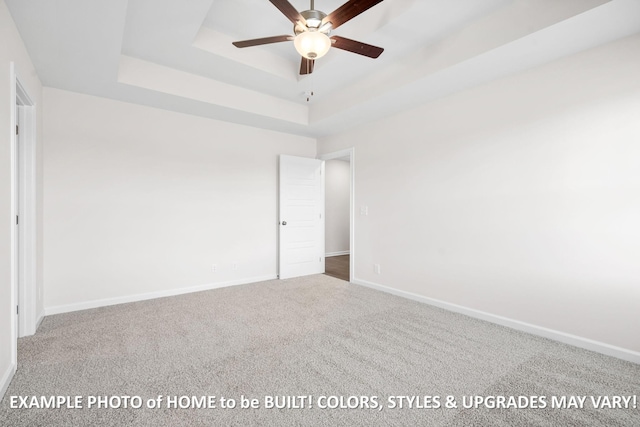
[284, 222]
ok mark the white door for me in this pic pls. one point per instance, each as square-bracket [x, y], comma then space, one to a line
[301, 223]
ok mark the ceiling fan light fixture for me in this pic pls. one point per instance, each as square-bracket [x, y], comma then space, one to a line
[312, 44]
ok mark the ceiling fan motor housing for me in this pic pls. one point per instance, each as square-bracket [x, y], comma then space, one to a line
[314, 21]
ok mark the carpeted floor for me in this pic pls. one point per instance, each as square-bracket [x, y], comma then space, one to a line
[315, 336]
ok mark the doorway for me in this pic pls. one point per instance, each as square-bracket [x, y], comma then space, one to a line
[339, 197]
[25, 296]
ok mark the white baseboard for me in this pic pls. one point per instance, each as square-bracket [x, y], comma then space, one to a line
[574, 340]
[339, 253]
[151, 295]
[6, 379]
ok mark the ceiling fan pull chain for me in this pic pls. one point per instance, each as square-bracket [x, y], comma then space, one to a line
[309, 92]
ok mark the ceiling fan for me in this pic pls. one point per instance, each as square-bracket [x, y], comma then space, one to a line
[312, 29]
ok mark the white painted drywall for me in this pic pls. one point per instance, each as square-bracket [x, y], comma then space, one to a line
[141, 200]
[337, 197]
[520, 198]
[12, 49]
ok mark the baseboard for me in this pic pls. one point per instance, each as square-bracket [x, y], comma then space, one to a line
[574, 340]
[151, 295]
[6, 379]
[339, 253]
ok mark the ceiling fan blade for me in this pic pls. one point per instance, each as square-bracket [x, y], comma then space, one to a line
[289, 11]
[356, 47]
[348, 11]
[306, 66]
[264, 40]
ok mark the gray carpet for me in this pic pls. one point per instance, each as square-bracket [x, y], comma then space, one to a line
[315, 336]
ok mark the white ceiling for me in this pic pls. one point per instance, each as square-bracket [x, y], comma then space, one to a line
[177, 55]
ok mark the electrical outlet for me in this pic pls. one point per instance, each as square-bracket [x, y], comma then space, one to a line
[235, 266]
[214, 268]
[376, 268]
[364, 210]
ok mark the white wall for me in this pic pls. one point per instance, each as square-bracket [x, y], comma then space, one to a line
[337, 199]
[12, 49]
[143, 201]
[520, 198]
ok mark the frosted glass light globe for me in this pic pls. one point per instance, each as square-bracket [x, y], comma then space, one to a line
[312, 44]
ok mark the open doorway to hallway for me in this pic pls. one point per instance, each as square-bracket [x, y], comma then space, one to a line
[338, 214]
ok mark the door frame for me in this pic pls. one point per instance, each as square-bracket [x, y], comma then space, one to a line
[23, 148]
[350, 152]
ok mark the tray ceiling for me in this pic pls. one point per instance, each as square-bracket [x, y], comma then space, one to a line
[177, 55]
